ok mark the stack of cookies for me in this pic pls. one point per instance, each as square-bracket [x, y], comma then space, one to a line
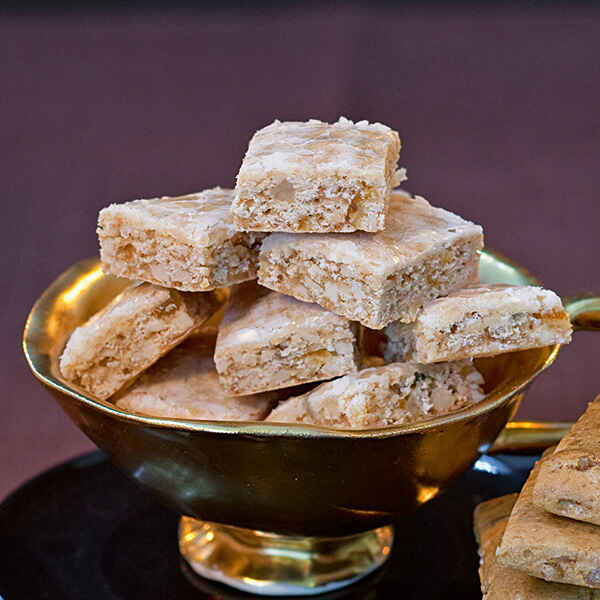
[545, 542]
[320, 255]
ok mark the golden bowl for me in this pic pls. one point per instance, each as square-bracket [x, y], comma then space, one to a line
[327, 497]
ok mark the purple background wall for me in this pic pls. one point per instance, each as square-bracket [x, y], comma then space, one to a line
[497, 108]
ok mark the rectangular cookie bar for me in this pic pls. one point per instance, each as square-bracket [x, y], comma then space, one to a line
[482, 320]
[389, 395]
[268, 341]
[313, 176]
[504, 583]
[129, 334]
[547, 546]
[184, 385]
[186, 242]
[569, 480]
[377, 278]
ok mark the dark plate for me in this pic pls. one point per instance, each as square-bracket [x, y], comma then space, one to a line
[82, 530]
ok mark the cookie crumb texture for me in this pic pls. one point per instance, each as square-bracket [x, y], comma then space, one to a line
[389, 395]
[129, 334]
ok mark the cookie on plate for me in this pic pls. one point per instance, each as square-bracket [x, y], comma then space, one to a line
[548, 546]
[504, 583]
[569, 481]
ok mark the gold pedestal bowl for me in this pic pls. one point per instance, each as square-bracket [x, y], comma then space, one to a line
[287, 509]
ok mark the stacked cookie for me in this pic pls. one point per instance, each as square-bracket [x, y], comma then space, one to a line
[320, 255]
[545, 542]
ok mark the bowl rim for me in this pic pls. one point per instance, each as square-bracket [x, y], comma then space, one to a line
[263, 428]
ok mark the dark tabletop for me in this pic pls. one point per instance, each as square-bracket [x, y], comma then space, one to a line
[497, 107]
[100, 537]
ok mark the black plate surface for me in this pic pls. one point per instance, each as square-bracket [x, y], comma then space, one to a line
[82, 530]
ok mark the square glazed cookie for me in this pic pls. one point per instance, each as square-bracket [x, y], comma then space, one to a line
[313, 176]
[482, 320]
[131, 333]
[569, 480]
[184, 385]
[185, 242]
[268, 341]
[377, 278]
[389, 395]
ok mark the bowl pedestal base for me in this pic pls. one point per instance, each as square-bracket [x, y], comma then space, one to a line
[280, 565]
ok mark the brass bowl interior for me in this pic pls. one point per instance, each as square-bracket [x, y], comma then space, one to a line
[289, 478]
[84, 289]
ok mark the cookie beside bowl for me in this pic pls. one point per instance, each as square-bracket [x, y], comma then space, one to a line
[329, 496]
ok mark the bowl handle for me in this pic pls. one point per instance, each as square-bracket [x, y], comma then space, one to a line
[584, 312]
[523, 436]
[520, 437]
